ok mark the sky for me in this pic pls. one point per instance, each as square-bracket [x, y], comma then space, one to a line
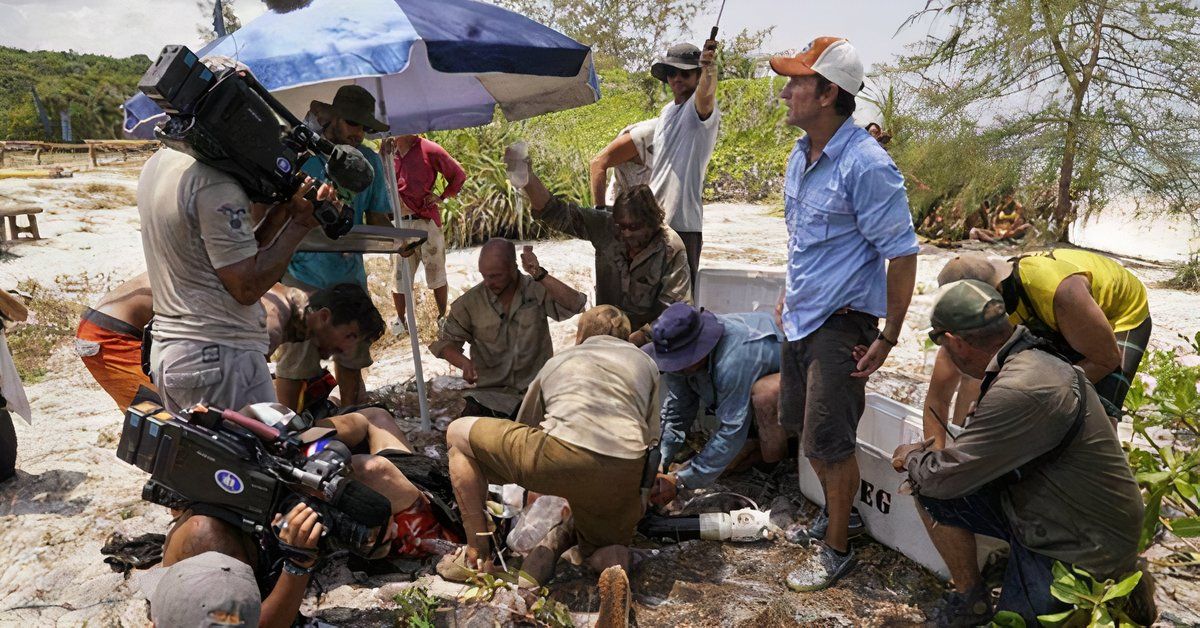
[127, 27]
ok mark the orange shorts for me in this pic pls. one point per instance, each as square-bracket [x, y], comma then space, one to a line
[114, 358]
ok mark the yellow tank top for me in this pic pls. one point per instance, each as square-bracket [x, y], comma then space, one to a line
[1120, 295]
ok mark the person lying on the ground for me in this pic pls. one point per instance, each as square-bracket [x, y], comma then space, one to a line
[641, 264]
[583, 433]
[1008, 223]
[503, 318]
[109, 337]
[630, 156]
[1092, 308]
[11, 309]
[1038, 465]
[418, 161]
[715, 361]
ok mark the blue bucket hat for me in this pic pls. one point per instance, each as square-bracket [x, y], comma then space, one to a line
[682, 336]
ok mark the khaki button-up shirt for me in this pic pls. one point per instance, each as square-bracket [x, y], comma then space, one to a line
[641, 287]
[509, 347]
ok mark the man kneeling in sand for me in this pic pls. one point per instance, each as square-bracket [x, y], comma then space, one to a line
[583, 432]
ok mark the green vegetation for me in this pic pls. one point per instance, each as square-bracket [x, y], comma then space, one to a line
[748, 162]
[417, 608]
[53, 317]
[1187, 275]
[91, 87]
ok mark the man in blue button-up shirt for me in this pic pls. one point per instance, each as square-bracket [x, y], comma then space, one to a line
[847, 212]
[708, 361]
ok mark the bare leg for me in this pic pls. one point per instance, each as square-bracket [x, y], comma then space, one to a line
[540, 562]
[608, 556]
[840, 482]
[198, 534]
[374, 425]
[398, 301]
[287, 391]
[470, 489]
[983, 235]
[440, 295]
[384, 478]
[772, 438]
[350, 385]
[957, 548]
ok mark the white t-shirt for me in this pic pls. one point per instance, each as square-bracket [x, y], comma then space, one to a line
[196, 219]
[683, 145]
[632, 173]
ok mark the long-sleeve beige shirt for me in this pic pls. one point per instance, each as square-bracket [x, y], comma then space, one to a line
[507, 347]
[642, 286]
[1084, 508]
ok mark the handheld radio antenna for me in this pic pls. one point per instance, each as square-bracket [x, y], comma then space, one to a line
[713, 35]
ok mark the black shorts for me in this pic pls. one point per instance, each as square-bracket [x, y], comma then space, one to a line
[817, 396]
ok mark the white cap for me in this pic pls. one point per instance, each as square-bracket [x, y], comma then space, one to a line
[831, 57]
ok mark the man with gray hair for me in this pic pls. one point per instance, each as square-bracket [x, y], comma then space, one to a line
[1038, 465]
[503, 318]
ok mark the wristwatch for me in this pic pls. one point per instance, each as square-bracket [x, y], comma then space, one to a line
[541, 274]
[886, 339]
[297, 570]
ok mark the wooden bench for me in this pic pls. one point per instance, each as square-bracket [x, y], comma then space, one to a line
[14, 231]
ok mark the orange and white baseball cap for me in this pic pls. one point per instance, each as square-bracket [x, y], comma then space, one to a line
[831, 57]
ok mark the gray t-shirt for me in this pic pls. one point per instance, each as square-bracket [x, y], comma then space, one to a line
[683, 145]
[196, 219]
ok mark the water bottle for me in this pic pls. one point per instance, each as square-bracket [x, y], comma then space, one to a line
[742, 526]
[546, 512]
[514, 163]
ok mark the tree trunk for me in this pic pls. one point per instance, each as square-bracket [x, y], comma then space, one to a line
[1063, 213]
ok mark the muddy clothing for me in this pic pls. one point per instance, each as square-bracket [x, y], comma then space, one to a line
[1084, 507]
[196, 219]
[508, 348]
[642, 287]
[747, 351]
[602, 395]
[300, 358]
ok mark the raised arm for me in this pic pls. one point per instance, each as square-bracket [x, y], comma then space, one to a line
[706, 89]
[620, 150]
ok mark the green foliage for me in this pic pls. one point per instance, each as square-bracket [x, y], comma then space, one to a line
[747, 164]
[53, 317]
[417, 608]
[91, 87]
[1166, 397]
[1187, 275]
[552, 613]
[1093, 603]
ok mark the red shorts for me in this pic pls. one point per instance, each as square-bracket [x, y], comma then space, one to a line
[416, 524]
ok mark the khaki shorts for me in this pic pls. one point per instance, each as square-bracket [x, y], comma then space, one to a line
[432, 254]
[604, 492]
[188, 372]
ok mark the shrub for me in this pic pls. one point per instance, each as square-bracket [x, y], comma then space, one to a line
[1187, 275]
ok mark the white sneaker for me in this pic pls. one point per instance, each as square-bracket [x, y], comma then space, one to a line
[397, 327]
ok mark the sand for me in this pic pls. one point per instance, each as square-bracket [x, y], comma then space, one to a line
[71, 492]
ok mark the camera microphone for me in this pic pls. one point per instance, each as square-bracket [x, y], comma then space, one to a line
[363, 505]
[349, 169]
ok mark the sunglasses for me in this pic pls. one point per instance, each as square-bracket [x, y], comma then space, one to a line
[937, 336]
[673, 72]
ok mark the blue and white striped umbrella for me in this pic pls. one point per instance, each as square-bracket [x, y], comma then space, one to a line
[431, 64]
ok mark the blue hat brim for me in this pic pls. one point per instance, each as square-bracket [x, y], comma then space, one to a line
[711, 330]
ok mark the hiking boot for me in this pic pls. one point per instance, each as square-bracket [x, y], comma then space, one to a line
[615, 600]
[956, 609]
[820, 568]
[815, 530]
[397, 327]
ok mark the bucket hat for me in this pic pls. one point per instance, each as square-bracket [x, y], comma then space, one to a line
[682, 336]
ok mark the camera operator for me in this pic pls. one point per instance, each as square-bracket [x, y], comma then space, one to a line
[207, 273]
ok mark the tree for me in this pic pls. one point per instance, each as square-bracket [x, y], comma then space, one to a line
[205, 28]
[629, 33]
[1101, 93]
[742, 56]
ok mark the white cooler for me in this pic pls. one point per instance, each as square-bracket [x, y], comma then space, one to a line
[891, 518]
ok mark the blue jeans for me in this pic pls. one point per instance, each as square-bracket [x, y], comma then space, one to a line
[1027, 578]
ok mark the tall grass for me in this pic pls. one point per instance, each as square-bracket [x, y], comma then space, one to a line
[748, 162]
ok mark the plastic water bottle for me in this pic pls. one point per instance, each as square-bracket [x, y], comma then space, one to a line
[742, 526]
[514, 163]
[546, 512]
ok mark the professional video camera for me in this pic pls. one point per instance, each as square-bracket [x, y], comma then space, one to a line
[229, 121]
[224, 464]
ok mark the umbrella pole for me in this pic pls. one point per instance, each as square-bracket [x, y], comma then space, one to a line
[406, 285]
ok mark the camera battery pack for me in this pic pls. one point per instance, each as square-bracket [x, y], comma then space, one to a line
[176, 80]
[153, 431]
[131, 431]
